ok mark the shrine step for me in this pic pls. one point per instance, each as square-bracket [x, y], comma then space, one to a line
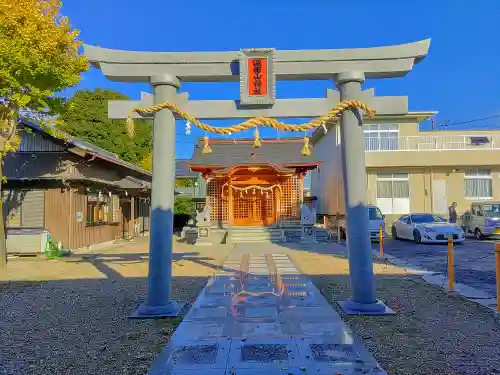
[255, 234]
[295, 235]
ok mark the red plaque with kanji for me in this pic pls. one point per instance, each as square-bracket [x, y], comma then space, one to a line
[257, 77]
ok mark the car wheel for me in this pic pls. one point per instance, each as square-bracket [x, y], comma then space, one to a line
[478, 234]
[416, 236]
[394, 233]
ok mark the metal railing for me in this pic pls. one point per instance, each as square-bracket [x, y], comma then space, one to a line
[334, 228]
[433, 143]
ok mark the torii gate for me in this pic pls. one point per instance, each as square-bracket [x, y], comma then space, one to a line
[347, 68]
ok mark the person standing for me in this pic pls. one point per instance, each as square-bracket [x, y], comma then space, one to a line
[452, 211]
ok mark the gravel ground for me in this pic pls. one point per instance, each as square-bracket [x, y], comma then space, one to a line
[432, 333]
[69, 317]
[81, 327]
[70, 323]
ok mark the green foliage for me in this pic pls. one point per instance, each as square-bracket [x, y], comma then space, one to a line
[147, 162]
[184, 205]
[85, 116]
[185, 182]
[38, 56]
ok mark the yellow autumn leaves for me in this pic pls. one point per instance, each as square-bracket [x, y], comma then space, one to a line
[39, 55]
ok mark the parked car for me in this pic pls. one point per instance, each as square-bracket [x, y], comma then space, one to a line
[426, 228]
[377, 221]
[482, 219]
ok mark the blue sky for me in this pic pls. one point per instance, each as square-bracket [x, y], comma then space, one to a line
[460, 78]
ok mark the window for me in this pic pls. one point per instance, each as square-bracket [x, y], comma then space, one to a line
[427, 218]
[375, 214]
[24, 208]
[98, 209]
[381, 137]
[477, 184]
[476, 210]
[393, 193]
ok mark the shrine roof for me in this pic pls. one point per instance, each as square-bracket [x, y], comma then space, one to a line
[182, 171]
[279, 152]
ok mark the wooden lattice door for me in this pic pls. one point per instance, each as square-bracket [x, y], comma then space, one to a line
[253, 208]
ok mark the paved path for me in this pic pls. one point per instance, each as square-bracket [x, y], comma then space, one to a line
[260, 315]
[474, 260]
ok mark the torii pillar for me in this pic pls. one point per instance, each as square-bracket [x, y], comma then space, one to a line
[349, 68]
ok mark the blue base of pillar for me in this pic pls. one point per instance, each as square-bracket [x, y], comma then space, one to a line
[145, 311]
[350, 307]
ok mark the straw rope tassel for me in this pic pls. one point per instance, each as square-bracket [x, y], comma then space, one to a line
[306, 150]
[206, 148]
[257, 143]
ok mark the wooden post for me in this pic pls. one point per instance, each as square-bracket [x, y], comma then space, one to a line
[451, 266]
[381, 242]
[230, 203]
[132, 217]
[497, 257]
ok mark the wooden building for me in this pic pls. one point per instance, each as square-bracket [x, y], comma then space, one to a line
[81, 194]
[249, 186]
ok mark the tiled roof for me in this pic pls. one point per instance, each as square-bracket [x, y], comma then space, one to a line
[182, 171]
[97, 151]
[241, 152]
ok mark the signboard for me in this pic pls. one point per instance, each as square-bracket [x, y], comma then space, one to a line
[79, 216]
[257, 77]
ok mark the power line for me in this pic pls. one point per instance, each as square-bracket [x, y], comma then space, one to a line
[453, 123]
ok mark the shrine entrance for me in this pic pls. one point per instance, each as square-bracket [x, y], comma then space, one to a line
[252, 195]
[254, 207]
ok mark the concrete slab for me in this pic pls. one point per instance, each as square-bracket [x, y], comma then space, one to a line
[261, 330]
[187, 331]
[337, 332]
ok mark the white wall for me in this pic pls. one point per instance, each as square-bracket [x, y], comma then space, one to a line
[327, 181]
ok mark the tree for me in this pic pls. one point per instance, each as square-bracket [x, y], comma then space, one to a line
[85, 116]
[39, 56]
[185, 182]
[184, 205]
[147, 162]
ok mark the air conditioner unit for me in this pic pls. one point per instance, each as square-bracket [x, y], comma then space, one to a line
[26, 241]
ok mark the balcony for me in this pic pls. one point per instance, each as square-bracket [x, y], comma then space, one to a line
[459, 150]
[433, 143]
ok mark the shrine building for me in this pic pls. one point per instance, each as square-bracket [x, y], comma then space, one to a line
[248, 186]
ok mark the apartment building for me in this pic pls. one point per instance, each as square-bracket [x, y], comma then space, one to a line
[409, 170]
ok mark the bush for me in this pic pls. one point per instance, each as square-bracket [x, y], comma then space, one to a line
[184, 208]
[184, 205]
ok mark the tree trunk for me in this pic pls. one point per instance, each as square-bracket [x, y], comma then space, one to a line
[3, 242]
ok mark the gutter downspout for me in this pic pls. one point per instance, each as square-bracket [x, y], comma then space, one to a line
[431, 189]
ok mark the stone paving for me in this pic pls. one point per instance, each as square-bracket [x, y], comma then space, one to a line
[474, 260]
[260, 314]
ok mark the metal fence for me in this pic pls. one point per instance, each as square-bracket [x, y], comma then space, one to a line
[334, 226]
[433, 143]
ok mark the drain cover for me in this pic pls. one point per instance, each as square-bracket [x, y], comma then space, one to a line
[195, 354]
[264, 353]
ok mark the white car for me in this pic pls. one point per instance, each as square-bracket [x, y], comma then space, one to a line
[426, 228]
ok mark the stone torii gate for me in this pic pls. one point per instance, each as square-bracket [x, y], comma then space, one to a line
[258, 70]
